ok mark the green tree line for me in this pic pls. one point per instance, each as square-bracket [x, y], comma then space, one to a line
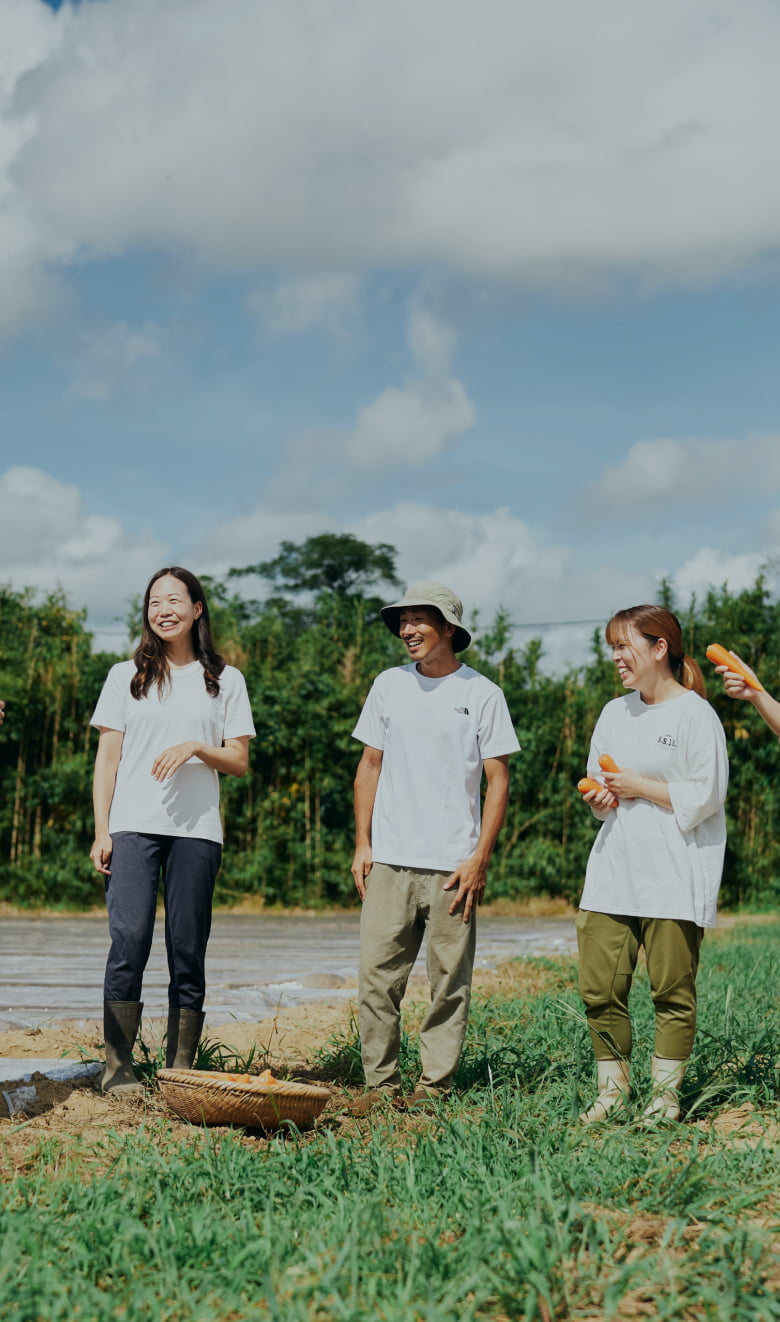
[309, 652]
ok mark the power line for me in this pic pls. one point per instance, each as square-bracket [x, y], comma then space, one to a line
[555, 624]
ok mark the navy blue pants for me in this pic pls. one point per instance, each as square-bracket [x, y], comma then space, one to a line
[188, 869]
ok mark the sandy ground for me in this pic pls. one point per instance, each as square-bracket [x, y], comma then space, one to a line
[79, 1114]
[289, 1043]
[288, 1040]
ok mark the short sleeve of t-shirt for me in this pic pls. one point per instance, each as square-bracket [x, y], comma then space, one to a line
[496, 732]
[111, 709]
[370, 728]
[238, 722]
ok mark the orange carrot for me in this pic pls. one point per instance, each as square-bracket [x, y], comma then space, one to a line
[608, 763]
[587, 784]
[719, 656]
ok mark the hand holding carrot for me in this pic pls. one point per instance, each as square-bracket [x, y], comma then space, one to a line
[622, 784]
[594, 793]
[738, 679]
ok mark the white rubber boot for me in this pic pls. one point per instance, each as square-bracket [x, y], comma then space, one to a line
[667, 1080]
[614, 1086]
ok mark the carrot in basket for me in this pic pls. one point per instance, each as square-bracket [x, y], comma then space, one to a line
[719, 656]
[608, 763]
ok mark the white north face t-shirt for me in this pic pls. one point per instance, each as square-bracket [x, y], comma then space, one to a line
[187, 804]
[434, 735]
[654, 862]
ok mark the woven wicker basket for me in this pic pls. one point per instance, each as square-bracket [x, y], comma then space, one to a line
[211, 1099]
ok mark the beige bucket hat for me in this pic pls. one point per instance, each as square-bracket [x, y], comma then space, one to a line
[430, 594]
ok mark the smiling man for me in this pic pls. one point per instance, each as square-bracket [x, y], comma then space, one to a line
[422, 847]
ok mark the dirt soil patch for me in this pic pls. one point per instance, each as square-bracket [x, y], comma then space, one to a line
[78, 1113]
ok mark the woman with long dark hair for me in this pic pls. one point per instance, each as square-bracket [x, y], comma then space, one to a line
[654, 870]
[170, 720]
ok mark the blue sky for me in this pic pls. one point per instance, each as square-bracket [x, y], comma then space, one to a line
[498, 285]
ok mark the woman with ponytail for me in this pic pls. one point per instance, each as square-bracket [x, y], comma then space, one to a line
[654, 870]
[170, 721]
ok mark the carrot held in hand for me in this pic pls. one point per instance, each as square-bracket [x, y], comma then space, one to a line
[719, 656]
[608, 763]
[588, 783]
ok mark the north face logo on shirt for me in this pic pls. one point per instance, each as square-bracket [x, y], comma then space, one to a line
[462, 711]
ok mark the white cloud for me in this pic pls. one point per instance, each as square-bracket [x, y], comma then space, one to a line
[36, 514]
[31, 34]
[109, 357]
[248, 538]
[400, 430]
[325, 302]
[430, 340]
[48, 538]
[770, 531]
[693, 472]
[411, 424]
[494, 559]
[532, 144]
[491, 559]
[709, 568]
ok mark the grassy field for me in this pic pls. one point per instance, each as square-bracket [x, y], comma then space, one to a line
[499, 1207]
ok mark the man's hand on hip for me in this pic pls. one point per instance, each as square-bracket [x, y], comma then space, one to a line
[362, 864]
[470, 879]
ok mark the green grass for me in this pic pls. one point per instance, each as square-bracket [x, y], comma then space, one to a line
[501, 1206]
[211, 1054]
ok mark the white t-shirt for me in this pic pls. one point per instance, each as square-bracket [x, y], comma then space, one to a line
[434, 735]
[654, 862]
[187, 804]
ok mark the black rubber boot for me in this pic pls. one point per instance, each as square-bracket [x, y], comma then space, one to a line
[184, 1030]
[120, 1027]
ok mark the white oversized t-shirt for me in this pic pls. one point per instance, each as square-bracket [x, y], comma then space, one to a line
[434, 735]
[187, 804]
[654, 862]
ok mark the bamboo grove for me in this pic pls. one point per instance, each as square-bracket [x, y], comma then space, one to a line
[309, 653]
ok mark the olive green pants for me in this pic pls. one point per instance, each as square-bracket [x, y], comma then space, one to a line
[401, 905]
[609, 947]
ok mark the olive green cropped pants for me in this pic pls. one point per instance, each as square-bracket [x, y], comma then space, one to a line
[609, 947]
